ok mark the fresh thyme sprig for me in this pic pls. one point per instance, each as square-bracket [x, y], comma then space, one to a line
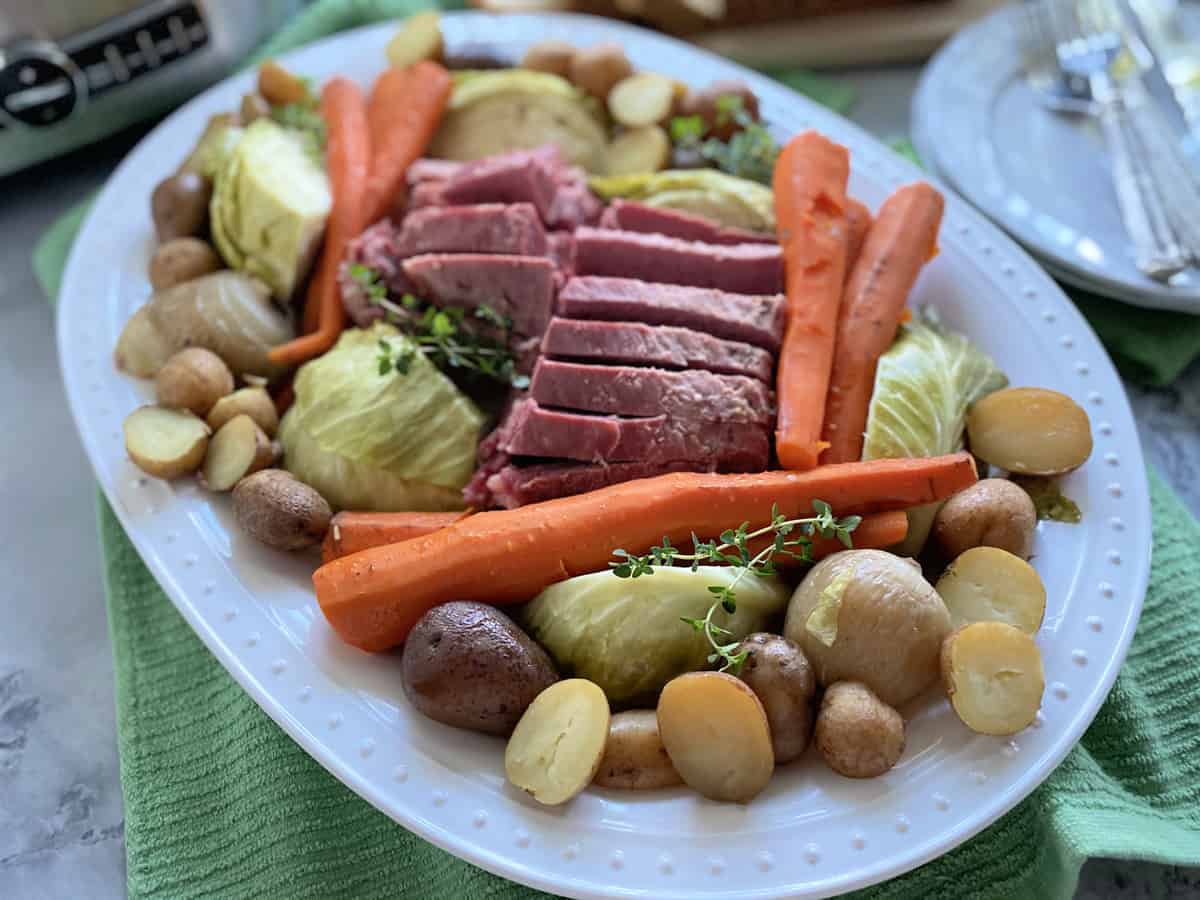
[762, 563]
[751, 151]
[439, 334]
[305, 117]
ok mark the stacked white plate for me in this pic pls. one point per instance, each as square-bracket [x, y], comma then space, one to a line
[1042, 176]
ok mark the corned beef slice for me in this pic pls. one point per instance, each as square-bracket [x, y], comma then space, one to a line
[512, 486]
[626, 215]
[531, 430]
[428, 169]
[426, 193]
[756, 320]
[376, 249]
[485, 228]
[521, 288]
[635, 343]
[743, 268]
[562, 251]
[689, 396]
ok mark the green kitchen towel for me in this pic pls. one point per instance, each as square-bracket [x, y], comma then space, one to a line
[220, 803]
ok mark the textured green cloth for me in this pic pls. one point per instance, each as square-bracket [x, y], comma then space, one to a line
[220, 803]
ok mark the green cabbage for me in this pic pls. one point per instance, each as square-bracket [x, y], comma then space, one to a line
[380, 442]
[736, 202]
[625, 634]
[924, 385]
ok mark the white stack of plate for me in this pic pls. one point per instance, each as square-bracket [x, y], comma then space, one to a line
[1042, 176]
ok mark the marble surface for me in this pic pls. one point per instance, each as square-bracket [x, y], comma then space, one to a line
[60, 792]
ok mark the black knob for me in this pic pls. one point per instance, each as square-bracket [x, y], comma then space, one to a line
[36, 90]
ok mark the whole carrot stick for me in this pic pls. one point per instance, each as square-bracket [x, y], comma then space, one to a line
[810, 211]
[348, 158]
[351, 532]
[372, 599]
[858, 221]
[405, 110]
[877, 531]
[900, 241]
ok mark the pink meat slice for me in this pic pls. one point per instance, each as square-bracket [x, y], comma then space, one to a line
[483, 228]
[626, 215]
[520, 288]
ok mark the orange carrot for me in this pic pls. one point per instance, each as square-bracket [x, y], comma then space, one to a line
[373, 598]
[905, 315]
[348, 157]
[405, 110]
[858, 221]
[897, 246]
[876, 531]
[350, 532]
[810, 212]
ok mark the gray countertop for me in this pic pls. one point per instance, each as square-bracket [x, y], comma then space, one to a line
[60, 791]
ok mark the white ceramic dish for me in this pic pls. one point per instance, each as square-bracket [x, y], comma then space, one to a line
[812, 833]
[1041, 176]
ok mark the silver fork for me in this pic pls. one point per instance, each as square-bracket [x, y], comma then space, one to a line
[1084, 47]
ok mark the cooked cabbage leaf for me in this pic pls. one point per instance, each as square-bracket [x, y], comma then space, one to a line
[736, 202]
[372, 441]
[625, 634]
[924, 385]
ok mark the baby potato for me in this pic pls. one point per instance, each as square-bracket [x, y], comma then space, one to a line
[254, 402]
[638, 150]
[557, 746]
[193, 379]
[869, 616]
[550, 56]
[716, 733]
[596, 69]
[165, 443]
[993, 512]
[634, 757]
[707, 104]
[181, 259]
[993, 674]
[179, 205]
[419, 38]
[859, 735]
[468, 665]
[280, 510]
[987, 584]
[779, 674]
[238, 449]
[278, 86]
[646, 98]
[1031, 431]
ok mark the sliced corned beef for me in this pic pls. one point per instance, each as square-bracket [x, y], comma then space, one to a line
[484, 228]
[688, 396]
[742, 268]
[757, 320]
[429, 169]
[626, 215]
[520, 288]
[376, 249]
[562, 251]
[426, 193]
[635, 343]
[523, 176]
[511, 486]
[531, 430]
[574, 203]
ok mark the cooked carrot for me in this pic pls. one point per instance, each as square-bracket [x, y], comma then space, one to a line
[347, 159]
[810, 212]
[858, 221]
[899, 243]
[404, 112]
[876, 531]
[350, 532]
[372, 599]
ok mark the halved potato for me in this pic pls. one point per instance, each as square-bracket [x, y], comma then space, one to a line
[646, 98]
[238, 449]
[254, 402]
[987, 584]
[1030, 431]
[715, 730]
[165, 443]
[557, 745]
[993, 674]
[645, 149]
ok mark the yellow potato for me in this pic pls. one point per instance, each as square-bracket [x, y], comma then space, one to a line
[557, 746]
[646, 98]
[634, 757]
[993, 674]
[993, 512]
[252, 401]
[165, 443]
[596, 69]
[1031, 431]
[280, 510]
[716, 733]
[550, 56]
[181, 259]
[780, 676]
[239, 449]
[638, 150]
[419, 38]
[859, 735]
[193, 379]
[987, 584]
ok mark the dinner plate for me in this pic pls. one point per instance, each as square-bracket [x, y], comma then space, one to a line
[1042, 176]
[811, 833]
